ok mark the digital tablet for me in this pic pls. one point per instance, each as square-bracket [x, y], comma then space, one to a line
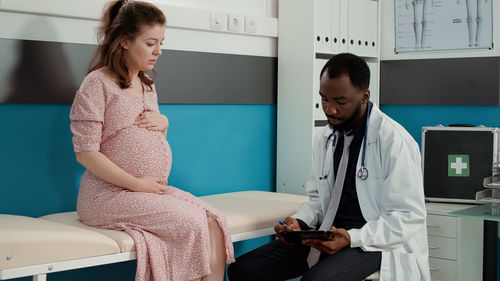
[296, 236]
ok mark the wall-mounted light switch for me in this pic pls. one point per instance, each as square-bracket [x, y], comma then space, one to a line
[235, 22]
[250, 24]
[217, 20]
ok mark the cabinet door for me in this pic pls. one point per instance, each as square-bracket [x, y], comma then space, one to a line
[442, 247]
[322, 26]
[343, 27]
[355, 26]
[327, 26]
[443, 270]
[317, 128]
[362, 27]
[374, 88]
[370, 29]
[318, 25]
[335, 42]
[442, 226]
[318, 113]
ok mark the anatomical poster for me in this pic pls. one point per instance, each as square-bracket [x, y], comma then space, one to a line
[425, 25]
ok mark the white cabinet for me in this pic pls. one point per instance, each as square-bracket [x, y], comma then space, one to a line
[318, 113]
[346, 26]
[455, 244]
[310, 32]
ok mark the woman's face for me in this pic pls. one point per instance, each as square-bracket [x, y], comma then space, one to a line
[142, 52]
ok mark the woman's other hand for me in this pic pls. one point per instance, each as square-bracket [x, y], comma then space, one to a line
[152, 120]
[151, 185]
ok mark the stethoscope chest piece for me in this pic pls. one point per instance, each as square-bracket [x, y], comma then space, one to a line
[363, 173]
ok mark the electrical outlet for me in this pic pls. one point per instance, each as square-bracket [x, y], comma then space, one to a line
[250, 24]
[235, 22]
[217, 20]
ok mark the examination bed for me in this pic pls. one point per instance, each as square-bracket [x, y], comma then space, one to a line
[59, 242]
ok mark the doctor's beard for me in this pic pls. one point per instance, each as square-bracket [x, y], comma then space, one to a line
[350, 122]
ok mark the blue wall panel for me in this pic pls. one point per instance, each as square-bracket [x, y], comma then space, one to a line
[216, 148]
[222, 148]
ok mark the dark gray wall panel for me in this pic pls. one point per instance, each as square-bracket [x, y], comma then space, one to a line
[190, 77]
[41, 72]
[457, 81]
[51, 72]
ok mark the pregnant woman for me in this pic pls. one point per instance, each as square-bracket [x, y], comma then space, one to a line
[119, 136]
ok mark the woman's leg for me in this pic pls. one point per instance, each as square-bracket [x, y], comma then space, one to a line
[217, 252]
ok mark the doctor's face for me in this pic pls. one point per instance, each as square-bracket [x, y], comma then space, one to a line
[343, 103]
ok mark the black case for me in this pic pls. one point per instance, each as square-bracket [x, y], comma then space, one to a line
[442, 146]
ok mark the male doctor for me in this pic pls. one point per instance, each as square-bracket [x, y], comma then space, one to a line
[365, 185]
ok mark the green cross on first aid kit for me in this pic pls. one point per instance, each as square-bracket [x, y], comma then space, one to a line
[455, 161]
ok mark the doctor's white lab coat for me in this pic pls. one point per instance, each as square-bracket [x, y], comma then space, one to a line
[391, 198]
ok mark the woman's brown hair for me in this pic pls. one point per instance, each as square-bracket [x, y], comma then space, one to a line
[122, 20]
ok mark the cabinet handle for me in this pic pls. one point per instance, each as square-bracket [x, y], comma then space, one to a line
[433, 247]
[317, 105]
[433, 268]
[433, 225]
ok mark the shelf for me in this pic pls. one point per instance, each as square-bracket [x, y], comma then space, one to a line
[327, 55]
[492, 182]
[489, 211]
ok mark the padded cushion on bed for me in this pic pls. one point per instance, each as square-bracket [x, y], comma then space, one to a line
[254, 210]
[28, 241]
[124, 241]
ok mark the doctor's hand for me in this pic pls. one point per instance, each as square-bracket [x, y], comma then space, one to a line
[340, 240]
[154, 185]
[290, 224]
[152, 120]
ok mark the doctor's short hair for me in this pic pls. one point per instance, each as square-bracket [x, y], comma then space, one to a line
[350, 64]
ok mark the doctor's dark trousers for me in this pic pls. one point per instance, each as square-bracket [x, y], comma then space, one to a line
[277, 261]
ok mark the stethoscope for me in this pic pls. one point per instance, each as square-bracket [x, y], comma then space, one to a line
[363, 171]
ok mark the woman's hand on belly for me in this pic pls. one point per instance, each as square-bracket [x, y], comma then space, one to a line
[151, 185]
[152, 120]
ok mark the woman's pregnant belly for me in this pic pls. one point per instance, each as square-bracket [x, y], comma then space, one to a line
[139, 151]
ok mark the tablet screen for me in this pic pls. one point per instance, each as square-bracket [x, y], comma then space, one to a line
[295, 237]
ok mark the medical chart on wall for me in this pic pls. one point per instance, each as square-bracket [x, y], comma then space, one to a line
[425, 25]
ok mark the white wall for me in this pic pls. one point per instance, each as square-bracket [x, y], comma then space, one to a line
[188, 28]
[265, 8]
[387, 38]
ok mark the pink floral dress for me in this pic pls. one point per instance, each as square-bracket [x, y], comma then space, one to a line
[170, 230]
